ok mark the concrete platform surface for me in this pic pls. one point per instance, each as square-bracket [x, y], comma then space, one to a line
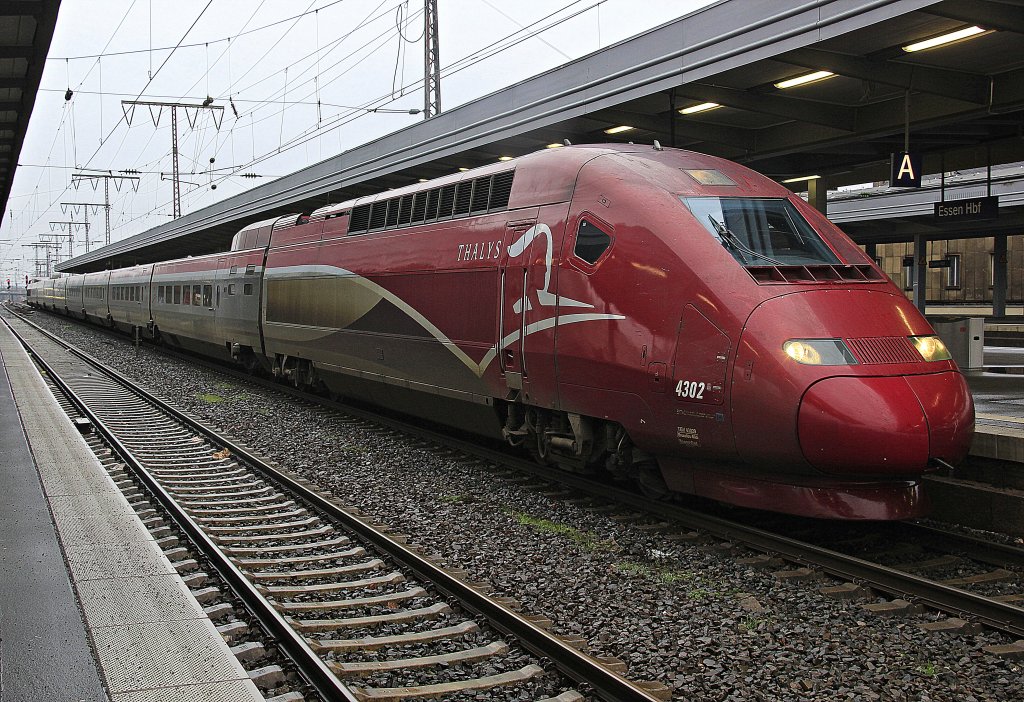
[90, 608]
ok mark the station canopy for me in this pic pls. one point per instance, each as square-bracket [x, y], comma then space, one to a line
[962, 100]
[26, 29]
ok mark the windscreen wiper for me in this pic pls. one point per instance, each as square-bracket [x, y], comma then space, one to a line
[729, 238]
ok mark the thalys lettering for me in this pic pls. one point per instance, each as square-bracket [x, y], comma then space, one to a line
[703, 293]
[479, 251]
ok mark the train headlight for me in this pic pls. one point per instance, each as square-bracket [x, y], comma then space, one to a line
[819, 352]
[931, 348]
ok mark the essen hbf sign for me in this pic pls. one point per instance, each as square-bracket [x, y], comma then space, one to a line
[967, 209]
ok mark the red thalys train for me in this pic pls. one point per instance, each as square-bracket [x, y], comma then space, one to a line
[663, 315]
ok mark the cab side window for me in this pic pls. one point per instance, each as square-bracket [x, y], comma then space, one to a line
[591, 242]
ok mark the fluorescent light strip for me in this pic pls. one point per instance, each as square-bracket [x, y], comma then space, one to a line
[504, 158]
[804, 79]
[553, 146]
[618, 130]
[960, 34]
[702, 107]
[801, 179]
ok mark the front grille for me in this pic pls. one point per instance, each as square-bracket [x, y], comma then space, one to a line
[883, 349]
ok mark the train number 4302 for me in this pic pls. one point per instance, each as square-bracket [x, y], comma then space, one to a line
[690, 389]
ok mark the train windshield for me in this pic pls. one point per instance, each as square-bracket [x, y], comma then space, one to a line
[761, 231]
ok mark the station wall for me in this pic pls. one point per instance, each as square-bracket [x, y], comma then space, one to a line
[968, 280]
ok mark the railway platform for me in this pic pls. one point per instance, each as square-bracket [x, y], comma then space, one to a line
[92, 608]
[987, 490]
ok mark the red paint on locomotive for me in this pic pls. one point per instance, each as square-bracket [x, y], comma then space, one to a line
[655, 313]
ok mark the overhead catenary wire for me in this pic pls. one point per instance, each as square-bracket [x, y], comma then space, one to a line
[298, 83]
[490, 50]
[461, 64]
[151, 77]
[130, 52]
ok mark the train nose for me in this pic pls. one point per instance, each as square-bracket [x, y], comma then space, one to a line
[888, 425]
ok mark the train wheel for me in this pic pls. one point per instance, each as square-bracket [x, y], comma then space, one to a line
[651, 483]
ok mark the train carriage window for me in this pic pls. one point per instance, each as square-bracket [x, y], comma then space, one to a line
[231, 289]
[177, 294]
[447, 202]
[760, 231]
[207, 296]
[186, 294]
[405, 210]
[481, 193]
[218, 296]
[591, 242]
[247, 290]
[250, 269]
[392, 218]
[197, 295]
[463, 198]
[359, 222]
[419, 207]
[131, 293]
[501, 189]
[160, 294]
[233, 270]
[432, 199]
[378, 214]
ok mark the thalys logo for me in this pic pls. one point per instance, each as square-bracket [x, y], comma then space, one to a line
[480, 251]
[545, 297]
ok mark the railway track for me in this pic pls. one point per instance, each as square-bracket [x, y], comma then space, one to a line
[874, 561]
[362, 615]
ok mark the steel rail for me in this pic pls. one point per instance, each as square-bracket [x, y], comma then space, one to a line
[951, 600]
[569, 660]
[999, 615]
[311, 666]
[977, 549]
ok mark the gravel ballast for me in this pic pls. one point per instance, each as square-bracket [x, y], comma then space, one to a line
[687, 615]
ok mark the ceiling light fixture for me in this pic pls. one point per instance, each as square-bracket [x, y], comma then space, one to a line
[553, 146]
[942, 40]
[804, 79]
[619, 129]
[504, 158]
[702, 107]
[801, 179]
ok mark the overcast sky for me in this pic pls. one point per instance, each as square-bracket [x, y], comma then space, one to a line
[275, 60]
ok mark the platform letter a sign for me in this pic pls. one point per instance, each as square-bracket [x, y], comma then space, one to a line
[905, 170]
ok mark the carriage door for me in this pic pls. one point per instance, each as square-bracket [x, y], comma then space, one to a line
[515, 289]
[222, 302]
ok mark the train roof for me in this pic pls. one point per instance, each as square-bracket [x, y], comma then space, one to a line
[553, 173]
